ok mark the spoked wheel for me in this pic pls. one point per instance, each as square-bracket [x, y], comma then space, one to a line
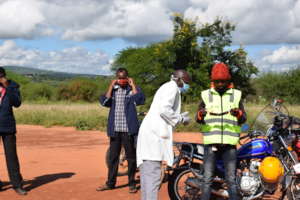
[293, 192]
[181, 185]
[276, 195]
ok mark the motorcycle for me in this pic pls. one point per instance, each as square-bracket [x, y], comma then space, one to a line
[186, 180]
[287, 127]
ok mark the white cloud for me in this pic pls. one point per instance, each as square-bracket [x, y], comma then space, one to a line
[73, 60]
[284, 55]
[281, 59]
[256, 21]
[130, 20]
[21, 19]
[143, 21]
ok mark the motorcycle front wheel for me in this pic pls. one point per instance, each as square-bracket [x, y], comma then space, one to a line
[293, 192]
[182, 181]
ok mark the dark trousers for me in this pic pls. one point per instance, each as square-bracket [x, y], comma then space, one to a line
[228, 154]
[12, 161]
[115, 148]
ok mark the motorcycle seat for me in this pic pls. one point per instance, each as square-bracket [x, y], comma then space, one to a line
[198, 148]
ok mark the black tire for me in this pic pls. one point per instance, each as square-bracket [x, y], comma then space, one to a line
[291, 190]
[176, 178]
[123, 166]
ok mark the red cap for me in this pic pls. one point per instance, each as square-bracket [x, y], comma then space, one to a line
[220, 71]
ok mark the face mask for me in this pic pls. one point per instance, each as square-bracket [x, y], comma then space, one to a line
[185, 87]
[122, 82]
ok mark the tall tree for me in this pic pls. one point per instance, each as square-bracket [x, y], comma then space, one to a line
[193, 47]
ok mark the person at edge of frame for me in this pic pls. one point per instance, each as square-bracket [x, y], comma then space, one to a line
[221, 113]
[122, 97]
[10, 97]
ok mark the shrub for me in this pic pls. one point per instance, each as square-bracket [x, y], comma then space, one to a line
[78, 89]
[38, 92]
[278, 85]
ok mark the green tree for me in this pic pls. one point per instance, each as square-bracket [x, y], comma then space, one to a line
[192, 47]
[283, 85]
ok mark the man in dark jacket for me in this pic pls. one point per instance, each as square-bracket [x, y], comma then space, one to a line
[10, 97]
[122, 97]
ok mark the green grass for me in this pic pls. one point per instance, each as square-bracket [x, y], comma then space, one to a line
[92, 116]
[83, 116]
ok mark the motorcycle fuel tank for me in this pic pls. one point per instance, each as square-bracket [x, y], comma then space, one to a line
[257, 148]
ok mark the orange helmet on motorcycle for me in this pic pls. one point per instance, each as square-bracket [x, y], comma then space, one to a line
[271, 169]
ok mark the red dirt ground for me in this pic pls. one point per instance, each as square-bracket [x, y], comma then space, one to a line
[65, 164]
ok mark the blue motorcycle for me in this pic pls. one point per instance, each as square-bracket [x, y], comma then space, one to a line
[186, 180]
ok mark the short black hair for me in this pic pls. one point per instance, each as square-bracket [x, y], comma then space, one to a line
[121, 69]
[2, 72]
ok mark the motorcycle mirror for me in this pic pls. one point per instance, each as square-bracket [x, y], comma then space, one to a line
[277, 102]
[245, 127]
[280, 100]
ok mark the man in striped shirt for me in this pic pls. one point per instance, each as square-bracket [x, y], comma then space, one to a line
[122, 97]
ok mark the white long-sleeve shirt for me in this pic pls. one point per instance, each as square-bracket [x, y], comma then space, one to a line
[155, 138]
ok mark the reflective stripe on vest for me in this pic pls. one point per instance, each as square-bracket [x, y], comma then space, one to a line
[220, 126]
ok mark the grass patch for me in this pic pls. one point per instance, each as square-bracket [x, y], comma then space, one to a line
[83, 116]
[92, 116]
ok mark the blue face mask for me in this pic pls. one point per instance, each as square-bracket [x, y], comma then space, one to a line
[185, 87]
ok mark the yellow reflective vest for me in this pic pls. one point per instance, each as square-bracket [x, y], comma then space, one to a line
[220, 126]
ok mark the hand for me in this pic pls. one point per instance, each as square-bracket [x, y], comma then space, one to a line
[131, 82]
[113, 82]
[110, 88]
[236, 112]
[201, 114]
[185, 118]
[4, 81]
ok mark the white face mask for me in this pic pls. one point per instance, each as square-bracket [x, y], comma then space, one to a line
[185, 87]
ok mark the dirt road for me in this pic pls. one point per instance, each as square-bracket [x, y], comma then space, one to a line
[65, 164]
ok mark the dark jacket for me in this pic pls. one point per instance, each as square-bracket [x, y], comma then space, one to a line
[131, 101]
[11, 99]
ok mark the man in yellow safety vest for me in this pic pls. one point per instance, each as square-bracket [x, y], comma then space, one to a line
[221, 113]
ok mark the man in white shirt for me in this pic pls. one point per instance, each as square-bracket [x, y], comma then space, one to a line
[155, 140]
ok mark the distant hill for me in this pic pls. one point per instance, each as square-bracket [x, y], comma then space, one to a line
[39, 74]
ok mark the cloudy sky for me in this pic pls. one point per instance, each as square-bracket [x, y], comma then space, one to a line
[82, 36]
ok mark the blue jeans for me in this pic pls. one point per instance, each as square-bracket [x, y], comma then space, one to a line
[228, 154]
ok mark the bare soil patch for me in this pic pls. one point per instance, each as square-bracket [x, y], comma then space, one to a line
[65, 164]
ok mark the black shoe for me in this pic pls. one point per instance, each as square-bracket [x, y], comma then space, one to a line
[20, 191]
[132, 189]
[104, 187]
